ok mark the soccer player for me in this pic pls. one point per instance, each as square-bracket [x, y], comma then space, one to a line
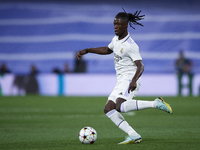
[129, 68]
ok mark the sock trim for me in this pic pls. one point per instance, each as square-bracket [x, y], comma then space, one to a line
[110, 113]
[120, 123]
[122, 107]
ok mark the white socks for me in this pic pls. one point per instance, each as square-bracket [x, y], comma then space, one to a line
[136, 105]
[126, 106]
[119, 121]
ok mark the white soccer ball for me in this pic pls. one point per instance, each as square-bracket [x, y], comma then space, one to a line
[87, 135]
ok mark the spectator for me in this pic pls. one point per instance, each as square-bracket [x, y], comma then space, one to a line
[66, 68]
[34, 71]
[3, 69]
[80, 66]
[183, 66]
[57, 71]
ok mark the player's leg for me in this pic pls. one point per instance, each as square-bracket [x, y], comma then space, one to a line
[118, 119]
[133, 137]
[131, 104]
[158, 103]
[112, 111]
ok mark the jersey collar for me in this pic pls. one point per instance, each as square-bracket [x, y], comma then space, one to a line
[124, 39]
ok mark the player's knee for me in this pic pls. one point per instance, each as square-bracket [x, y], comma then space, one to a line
[109, 106]
[105, 110]
[119, 101]
[118, 108]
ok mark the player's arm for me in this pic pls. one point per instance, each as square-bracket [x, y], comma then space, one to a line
[98, 50]
[140, 69]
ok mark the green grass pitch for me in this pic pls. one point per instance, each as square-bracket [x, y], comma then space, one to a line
[53, 123]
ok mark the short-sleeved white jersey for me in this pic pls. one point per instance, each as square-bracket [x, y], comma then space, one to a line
[126, 51]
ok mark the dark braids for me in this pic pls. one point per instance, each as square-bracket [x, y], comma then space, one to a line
[132, 19]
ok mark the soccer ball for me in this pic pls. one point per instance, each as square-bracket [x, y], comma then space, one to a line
[87, 135]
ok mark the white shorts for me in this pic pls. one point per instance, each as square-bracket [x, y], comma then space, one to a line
[121, 88]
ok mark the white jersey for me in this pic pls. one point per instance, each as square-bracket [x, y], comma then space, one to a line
[126, 51]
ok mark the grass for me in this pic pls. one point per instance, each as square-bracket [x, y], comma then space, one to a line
[53, 123]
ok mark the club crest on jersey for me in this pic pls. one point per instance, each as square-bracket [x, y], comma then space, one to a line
[122, 50]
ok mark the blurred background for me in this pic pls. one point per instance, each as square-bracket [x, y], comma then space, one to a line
[39, 41]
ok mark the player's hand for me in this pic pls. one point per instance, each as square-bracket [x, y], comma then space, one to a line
[132, 86]
[81, 53]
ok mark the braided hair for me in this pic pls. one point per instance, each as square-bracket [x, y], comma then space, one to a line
[132, 19]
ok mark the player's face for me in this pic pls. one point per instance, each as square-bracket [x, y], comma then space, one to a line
[120, 26]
